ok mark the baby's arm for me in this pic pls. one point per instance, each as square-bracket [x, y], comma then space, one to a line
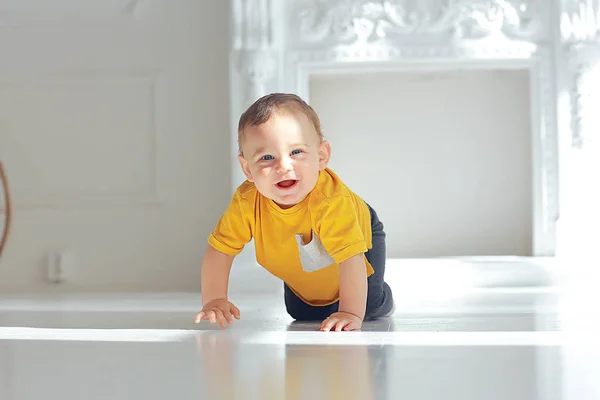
[216, 267]
[353, 296]
[353, 286]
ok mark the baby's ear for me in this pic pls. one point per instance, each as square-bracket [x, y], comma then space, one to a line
[324, 154]
[245, 167]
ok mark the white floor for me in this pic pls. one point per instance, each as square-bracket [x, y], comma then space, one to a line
[504, 330]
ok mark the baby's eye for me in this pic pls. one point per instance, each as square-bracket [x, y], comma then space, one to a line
[267, 157]
[295, 152]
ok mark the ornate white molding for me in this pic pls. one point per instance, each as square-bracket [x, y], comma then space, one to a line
[580, 30]
[428, 54]
[585, 94]
[284, 42]
[577, 109]
[258, 67]
[364, 21]
[253, 44]
[580, 20]
[252, 26]
[544, 88]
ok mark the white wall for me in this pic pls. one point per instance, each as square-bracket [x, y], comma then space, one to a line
[444, 157]
[114, 128]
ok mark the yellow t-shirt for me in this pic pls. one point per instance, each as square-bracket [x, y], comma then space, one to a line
[302, 245]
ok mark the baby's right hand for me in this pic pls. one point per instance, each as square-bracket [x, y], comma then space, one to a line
[220, 310]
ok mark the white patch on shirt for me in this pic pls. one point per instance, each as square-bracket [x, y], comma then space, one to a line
[313, 256]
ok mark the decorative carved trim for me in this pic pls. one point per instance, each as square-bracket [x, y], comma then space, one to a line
[258, 66]
[585, 94]
[548, 136]
[252, 25]
[583, 63]
[253, 44]
[580, 20]
[428, 53]
[576, 110]
[381, 34]
[580, 29]
[365, 21]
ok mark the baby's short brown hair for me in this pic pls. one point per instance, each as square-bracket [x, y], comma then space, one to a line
[264, 108]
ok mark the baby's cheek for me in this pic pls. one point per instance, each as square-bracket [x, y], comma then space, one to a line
[266, 171]
[306, 164]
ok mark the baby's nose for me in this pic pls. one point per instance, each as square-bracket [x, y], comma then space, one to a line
[284, 165]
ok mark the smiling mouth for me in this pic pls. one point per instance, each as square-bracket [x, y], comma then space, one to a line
[287, 184]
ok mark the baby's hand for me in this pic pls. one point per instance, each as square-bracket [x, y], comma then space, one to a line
[339, 321]
[220, 310]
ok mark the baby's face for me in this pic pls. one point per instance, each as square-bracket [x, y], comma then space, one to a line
[283, 157]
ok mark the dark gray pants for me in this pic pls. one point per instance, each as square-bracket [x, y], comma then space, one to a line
[379, 295]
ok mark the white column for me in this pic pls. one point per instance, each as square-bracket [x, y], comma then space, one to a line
[579, 242]
[580, 225]
[254, 60]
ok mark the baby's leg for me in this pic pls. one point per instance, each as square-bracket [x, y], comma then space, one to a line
[301, 311]
[380, 301]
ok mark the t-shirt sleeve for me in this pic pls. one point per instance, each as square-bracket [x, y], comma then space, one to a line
[233, 230]
[339, 230]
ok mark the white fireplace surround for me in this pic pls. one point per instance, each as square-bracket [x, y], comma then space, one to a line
[278, 44]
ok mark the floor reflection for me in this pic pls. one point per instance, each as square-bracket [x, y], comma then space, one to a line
[517, 343]
[295, 372]
[234, 368]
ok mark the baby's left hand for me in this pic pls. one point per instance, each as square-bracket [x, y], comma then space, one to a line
[339, 321]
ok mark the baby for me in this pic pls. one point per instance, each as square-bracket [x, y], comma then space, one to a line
[310, 230]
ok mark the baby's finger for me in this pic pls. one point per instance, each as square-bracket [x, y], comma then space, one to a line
[199, 316]
[323, 324]
[352, 326]
[329, 323]
[341, 324]
[227, 315]
[212, 316]
[235, 311]
[221, 318]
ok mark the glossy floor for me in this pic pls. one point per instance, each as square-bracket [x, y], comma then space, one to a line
[484, 343]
